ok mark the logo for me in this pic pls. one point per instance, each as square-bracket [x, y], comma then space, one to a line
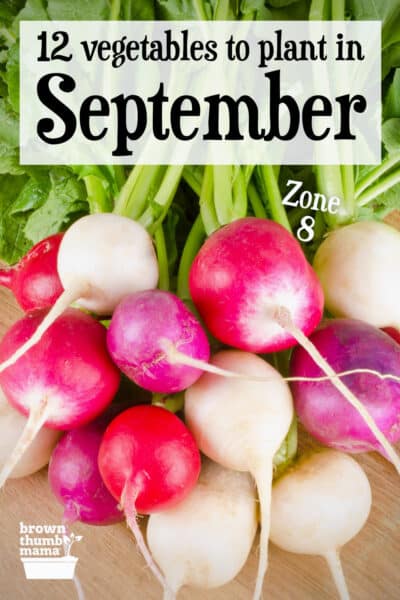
[45, 551]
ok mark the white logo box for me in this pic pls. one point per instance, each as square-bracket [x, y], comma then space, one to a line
[50, 568]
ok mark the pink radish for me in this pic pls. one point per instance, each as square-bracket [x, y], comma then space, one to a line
[255, 290]
[75, 478]
[212, 531]
[102, 258]
[64, 381]
[149, 461]
[143, 328]
[12, 424]
[318, 506]
[34, 281]
[359, 269]
[349, 345]
[241, 425]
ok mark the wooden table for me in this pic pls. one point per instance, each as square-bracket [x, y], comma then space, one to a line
[110, 567]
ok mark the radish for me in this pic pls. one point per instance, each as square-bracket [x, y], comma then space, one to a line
[102, 258]
[34, 281]
[206, 539]
[318, 506]
[359, 269]
[348, 344]
[255, 291]
[241, 425]
[64, 381]
[75, 478]
[12, 424]
[143, 328]
[149, 461]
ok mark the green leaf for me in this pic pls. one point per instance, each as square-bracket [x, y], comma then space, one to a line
[65, 202]
[390, 58]
[9, 127]
[391, 104]
[12, 76]
[391, 135]
[78, 10]
[32, 196]
[9, 160]
[13, 243]
[175, 10]
[387, 11]
[132, 10]
[34, 10]
[8, 10]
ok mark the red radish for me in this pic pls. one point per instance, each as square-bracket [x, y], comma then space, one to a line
[359, 269]
[102, 258]
[34, 281]
[75, 478]
[349, 345]
[143, 328]
[149, 462]
[212, 531]
[12, 424]
[64, 381]
[393, 332]
[241, 425]
[255, 290]
[318, 506]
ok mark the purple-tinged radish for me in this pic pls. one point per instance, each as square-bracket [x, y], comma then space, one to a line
[12, 424]
[241, 424]
[75, 478]
[213, 531]
[359, 269]
[64, 381]
[102, 258]
[144, 328]
[34, 280]
[318, 506]
[256, 291]
[349, 344]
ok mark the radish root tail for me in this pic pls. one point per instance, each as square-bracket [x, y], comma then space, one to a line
[37, 418]
[174, 356]
[264, 483]
[128, 501]
[284, 319]
[336, 569]
[63, 302]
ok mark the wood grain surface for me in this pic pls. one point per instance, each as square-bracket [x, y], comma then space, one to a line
[110, 567]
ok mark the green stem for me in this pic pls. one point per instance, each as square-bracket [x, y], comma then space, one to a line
[255, 202]
[192, 181]
[386, 165]
[338, 10]
[163, 199]
[378, 189]
[115, 10]
[200, 10]
[318, 10]
[239, 193]
[223, 11]
[270, 182]
[347, 172]
[120, 178]
[223, 200]
[122, 200]
[162, 256]
[192, 246]
[207, 208]
[96, 195]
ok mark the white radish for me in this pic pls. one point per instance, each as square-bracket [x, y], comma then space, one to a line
[37, 456]
[318, 506]
[212, 531]
[241, 425]
[102, 258]
[359, 269]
